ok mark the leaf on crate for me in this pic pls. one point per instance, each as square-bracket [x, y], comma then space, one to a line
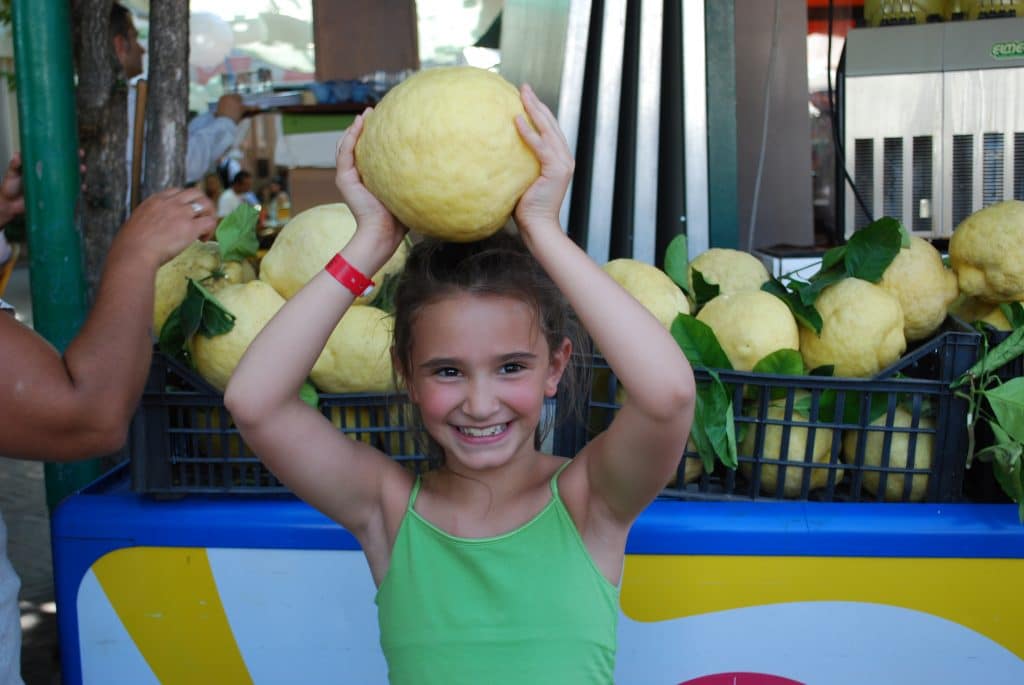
[236, 233]
[172, 338]
[1007, 402]
[870, 251]
[215, 319]
[806, 315]
[782, 362]
[827, 370]
[703, 292]
[996, 357]
[1014, 313]
[677, 261]
[1006, 457]
[698, 342]
[714, 429]
[308, 394]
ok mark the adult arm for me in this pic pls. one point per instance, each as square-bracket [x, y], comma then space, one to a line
[63, 407]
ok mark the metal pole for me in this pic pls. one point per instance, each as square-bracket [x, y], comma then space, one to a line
[49, 148]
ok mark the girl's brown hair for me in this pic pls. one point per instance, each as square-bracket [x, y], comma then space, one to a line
[499, 265]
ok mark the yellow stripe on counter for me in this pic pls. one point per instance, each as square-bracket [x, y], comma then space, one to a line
[975, 593]
[167, 599]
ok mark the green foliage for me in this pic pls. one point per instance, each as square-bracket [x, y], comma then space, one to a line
[677, 261]
[866, 256]
[200, 312]
[236, 234]
[1001, 405]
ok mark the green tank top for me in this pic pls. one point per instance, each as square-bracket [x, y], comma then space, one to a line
[529, 606]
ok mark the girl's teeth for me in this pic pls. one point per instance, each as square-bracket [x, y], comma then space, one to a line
[483, 432]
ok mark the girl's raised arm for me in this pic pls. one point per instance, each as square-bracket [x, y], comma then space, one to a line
[634, 458]
[340, 476]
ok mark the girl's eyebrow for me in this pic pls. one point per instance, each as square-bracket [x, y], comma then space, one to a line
[438, 362]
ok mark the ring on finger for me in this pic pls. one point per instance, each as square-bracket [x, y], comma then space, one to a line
[197, 208]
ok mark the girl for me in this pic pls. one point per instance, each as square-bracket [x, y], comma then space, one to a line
[503, 565]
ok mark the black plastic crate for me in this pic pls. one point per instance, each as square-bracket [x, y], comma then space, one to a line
[183, 440]
[777, 414]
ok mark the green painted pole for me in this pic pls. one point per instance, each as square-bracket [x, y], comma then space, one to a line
[723, 195]
[49, 148]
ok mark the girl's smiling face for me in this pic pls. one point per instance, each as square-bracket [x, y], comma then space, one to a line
[480, 369]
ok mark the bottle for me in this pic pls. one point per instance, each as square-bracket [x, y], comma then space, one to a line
[284, 208]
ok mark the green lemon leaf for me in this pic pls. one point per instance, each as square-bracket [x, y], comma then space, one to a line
[870, 251]
[828, 370]
[806, 315]
[1014, 313]
[214, 319]
[191, 308]
[236, 233]
[714, 430]
[384, 295]
[698, 342]
[830, 259]
[703, 291]
[996, 357]
[677, 260]
[781, 363]
[904, 237]
[308, 394]
[172, 336]
[1007, 402]
[822, 280]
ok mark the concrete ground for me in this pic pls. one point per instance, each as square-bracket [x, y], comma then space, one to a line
[23, 505]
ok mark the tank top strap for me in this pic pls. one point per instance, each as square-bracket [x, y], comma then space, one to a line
[554, 478]
[415, 491]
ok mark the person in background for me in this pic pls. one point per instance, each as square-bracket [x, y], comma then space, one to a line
[503, 564]
[236, 194]
[76, 405]
[279, 207]
[210, 135]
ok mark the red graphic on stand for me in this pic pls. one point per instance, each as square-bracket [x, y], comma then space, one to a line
[741, 679]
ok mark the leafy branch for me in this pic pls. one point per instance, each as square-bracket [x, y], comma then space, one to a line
[1000, 404]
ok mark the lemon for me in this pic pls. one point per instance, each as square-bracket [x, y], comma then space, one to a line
[357, 356]
[199, 261]
[924, 287]
[253, 304]
[899, 455]
[862, 329]
[750, 325]
[442, 152]
[307, 242]
[796, 453]
[732, 271]
[987, 251]
[651, 287]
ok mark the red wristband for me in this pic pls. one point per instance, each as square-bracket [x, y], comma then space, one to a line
[349, 276]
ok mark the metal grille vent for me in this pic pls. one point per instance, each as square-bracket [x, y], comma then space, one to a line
[864, 176]
[892, 177]
[1018, 166]
[992, 168]
[921, 191]
[963, 176]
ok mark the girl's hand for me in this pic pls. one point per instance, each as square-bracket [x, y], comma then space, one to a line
[542, 201]
[369, 212]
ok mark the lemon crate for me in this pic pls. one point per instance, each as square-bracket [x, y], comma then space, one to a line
[183, 440]
[791, 431]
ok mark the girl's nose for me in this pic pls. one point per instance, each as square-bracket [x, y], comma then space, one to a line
[480, 401]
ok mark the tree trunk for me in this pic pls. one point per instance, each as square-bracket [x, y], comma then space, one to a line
[167, 107]
[102, 130]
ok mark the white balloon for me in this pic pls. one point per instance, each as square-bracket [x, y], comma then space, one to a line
[210, 40]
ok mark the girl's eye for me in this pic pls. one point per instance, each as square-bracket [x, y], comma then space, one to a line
[447, 372]
[512, 367]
